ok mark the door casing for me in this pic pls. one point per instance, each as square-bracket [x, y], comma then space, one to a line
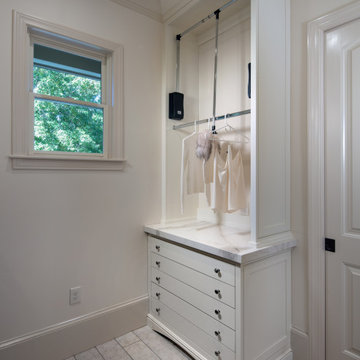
[316, 164]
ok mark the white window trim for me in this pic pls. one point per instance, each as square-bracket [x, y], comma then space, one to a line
[22, 154]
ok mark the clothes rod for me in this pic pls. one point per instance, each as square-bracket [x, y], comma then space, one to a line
[191, 28]
[222, 117]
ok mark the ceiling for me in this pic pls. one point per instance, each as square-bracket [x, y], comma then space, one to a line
[165, 10]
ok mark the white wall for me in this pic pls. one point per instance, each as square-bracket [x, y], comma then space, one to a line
[302, 11]
[60, 229]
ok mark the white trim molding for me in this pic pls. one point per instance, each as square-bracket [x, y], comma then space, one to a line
[78, 334]
[316, 161]
[26, 28]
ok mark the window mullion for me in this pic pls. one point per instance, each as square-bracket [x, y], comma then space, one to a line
[68, 101]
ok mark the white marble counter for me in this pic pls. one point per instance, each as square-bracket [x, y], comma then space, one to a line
[222, 241]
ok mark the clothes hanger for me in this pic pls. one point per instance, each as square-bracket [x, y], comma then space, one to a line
[227, 125]
[231, 128]
[196, 128]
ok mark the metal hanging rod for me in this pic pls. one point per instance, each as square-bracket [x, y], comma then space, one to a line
[179, 36]
[222, 117]
[205, 19]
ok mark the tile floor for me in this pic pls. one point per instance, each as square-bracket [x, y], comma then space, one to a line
[141, 344]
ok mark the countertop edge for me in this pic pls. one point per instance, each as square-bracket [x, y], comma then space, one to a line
[286, 241]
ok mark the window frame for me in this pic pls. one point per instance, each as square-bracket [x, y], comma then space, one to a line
[28, 30]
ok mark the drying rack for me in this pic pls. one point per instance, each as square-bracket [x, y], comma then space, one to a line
[178, 38]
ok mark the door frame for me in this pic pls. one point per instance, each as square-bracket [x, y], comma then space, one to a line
[316, 163]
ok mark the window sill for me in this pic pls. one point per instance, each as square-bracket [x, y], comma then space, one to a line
[31, 162]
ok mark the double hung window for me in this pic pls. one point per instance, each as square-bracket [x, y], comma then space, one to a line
[67, 98]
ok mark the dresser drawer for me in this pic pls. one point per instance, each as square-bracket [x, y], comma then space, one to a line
[201, 341]
[207, 265]
[212, 327]
[214, 308]
[209, 286]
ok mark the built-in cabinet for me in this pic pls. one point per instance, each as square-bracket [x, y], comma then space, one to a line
[217, 308]
[219, 284]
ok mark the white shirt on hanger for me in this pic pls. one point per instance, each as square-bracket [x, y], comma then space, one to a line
[191, 166]
[224, 178]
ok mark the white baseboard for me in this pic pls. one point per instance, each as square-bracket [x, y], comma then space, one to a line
[300, 344]
[60, 341]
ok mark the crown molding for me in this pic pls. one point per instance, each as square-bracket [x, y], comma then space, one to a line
[165, 17]
[140, 9]
[177, 9]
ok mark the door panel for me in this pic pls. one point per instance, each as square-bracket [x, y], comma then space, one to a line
[342, 190]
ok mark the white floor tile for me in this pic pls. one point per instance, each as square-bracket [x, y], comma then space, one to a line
[113, 351]
[161, 346]
[91, 354]
[141, 344]
[139, 351]
[127, 339]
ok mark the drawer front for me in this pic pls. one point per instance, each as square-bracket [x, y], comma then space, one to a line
[205, 264]
[212, 327]
[202, 342]
[209, 286]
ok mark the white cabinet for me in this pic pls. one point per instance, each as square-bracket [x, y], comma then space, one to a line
[220, 309]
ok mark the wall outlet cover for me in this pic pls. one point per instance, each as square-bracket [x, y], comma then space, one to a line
[75, 295]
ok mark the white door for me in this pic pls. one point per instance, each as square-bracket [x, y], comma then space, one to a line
[342, 190]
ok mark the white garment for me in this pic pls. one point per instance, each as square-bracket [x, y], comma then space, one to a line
[237, 198]
[224, 179]
[192, 166]
[216, 178]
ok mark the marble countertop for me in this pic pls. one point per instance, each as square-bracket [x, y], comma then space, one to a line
[222, 241]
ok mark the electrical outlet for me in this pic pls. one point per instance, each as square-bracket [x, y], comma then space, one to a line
[75, 295]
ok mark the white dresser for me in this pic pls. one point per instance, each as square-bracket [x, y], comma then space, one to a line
[218, 296]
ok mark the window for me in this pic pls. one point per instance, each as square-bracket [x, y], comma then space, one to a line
[67, 98]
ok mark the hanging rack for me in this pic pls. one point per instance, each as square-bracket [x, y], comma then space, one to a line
[178, 39]
[217, 118]
[191, 28]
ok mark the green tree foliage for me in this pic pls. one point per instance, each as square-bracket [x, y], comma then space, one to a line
[67, 127]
